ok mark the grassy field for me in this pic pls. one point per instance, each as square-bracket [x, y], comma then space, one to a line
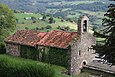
[57, 69]
[22, 23]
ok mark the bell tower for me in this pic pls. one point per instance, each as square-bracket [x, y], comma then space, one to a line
[83, 23]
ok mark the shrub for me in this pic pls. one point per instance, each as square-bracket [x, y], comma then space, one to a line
[15, 67]
[26, 28]
[48, 27]
[51, 20]
[37, 28]
[33, 18]
[33, 21]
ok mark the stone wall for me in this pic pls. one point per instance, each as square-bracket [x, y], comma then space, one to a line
[12, 49]
[81, 52]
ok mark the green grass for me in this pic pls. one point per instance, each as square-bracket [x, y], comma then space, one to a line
[19, 67]
[21, 16]
[19, 62]
[57, 69]
[40, 23]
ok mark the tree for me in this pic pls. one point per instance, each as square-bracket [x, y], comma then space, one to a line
[48, 27]
[107, 50]
[7, 22]
[51, 20]
[44, 17]
[33, 18]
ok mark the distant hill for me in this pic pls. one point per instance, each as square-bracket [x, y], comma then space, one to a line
[43, 5]
[34, 21]
[72, 9]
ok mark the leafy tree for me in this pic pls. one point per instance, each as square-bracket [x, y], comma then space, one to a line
[33, 18]
[51, 20]
[7, 22]
[108, 48]
[44, 17]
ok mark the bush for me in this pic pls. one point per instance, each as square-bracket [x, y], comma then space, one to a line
[48, 27]
[51, 20]
[37, 28]
[26, 28]
[15, 67]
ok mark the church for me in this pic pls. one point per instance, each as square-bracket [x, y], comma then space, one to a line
[72, 50]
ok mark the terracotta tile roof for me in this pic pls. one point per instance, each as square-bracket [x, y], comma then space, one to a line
[25, 37]
[59, 39]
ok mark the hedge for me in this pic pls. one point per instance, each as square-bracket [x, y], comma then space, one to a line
[16, 67]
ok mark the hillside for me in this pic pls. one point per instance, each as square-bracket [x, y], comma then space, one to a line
[65, 8]
[36, 22]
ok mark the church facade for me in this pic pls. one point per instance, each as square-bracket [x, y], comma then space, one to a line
[70, 49]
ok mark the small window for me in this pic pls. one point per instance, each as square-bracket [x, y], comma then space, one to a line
[79, 53]
[85, 26]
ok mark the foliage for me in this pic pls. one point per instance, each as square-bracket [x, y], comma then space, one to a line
[16, 67]
[44, 17]
[28, 52]
[65, 28]
[51, 20]
[96, 6]
[33, 18]
[109, 34]
[48, 27]
[7, 22]
[44, 54]
[58, 56]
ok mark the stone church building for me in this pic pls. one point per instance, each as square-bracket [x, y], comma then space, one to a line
[69, 49]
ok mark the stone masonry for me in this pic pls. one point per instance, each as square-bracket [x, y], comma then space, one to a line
[13, 49]
[81, 48]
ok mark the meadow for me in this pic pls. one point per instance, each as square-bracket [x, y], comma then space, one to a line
[30, 24]
[20, 67]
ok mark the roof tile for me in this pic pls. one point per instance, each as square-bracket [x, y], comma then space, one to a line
[59, 39]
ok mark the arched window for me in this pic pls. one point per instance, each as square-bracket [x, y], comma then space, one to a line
[85, 26]
[84, 63]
